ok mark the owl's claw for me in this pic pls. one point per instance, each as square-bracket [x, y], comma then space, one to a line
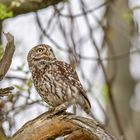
[61, 107]
[58, 109]
[51, 109]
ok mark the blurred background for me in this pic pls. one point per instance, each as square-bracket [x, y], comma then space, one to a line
[100, 38]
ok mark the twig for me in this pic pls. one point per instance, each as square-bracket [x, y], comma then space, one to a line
[85, 12]
[5, 91]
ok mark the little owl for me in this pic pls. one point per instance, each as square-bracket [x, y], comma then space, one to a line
[56, 81]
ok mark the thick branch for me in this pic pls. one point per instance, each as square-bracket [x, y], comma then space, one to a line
[25, 6]
[69, 126]
[6, 60]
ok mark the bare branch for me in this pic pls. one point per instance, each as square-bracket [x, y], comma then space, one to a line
[6, 60]
[85, 12]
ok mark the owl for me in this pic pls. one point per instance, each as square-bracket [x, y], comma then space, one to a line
[56, 81]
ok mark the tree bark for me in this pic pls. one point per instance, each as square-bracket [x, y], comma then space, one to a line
[51, 126]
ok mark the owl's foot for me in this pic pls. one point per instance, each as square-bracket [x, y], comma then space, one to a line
[62, 107]
[58, 109]
[51, 109]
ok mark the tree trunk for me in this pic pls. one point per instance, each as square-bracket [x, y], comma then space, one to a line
[119, 34]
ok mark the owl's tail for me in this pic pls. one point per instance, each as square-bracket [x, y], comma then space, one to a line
[85, 104]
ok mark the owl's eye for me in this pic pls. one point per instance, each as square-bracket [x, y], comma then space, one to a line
[39, 50]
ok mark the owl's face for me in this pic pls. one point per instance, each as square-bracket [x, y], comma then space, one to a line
[39, 53]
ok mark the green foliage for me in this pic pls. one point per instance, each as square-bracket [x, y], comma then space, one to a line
[105, 92]
[20, 88]
[29, 83]
[4, 12]
[1, 52]
[128, 17]
[10, 97]
[25, 88]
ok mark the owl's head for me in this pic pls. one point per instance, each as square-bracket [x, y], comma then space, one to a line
[40, 53]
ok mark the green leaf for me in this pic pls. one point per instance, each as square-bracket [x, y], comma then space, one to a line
[128, 17]
[4, 12]
[104, 90]
[29, 83]
[1, 51]
[10, 97]
[20, 88]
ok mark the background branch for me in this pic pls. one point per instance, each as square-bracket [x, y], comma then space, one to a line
[6, 60]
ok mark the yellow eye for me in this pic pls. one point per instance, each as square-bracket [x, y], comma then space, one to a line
[39, 50]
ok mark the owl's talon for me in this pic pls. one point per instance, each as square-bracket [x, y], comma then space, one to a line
[61, 107]
[51, 109]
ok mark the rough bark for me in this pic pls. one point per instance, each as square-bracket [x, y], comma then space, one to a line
[50, 126]
[119, 34]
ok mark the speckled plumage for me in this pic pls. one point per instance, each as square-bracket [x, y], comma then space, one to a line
[56, 81]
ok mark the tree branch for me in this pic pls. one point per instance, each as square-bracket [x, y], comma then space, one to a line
[6, 60]
[49, 126]
[25, 6]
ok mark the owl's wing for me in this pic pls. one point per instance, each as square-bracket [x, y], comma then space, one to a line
[71, 76]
